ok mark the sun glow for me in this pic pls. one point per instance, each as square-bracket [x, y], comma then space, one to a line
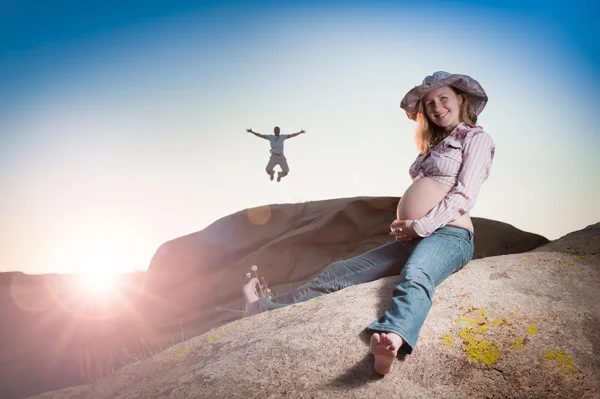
[97, 259]
[98, 281]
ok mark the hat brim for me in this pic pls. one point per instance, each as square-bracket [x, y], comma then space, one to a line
[469, 86]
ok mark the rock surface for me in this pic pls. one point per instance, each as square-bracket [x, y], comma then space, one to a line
[508, 326]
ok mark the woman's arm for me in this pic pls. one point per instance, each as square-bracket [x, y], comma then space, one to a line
[478, 155]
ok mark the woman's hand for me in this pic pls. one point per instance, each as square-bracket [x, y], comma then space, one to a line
[403, 230]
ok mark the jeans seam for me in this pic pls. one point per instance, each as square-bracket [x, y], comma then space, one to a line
[470, 247]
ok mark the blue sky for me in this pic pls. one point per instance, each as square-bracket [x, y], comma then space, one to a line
[123, 122]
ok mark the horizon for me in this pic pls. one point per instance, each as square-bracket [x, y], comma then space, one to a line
[124, 126]
[266, 205]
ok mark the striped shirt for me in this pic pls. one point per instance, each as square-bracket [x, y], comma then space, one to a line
[463, 161]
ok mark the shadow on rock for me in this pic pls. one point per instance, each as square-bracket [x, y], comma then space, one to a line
[361, 374]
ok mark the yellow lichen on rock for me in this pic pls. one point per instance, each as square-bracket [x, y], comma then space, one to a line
[471, 321]
[518, 343]
[564, 360]
[179, 353]
[448, 340]
[501, 321]
[476, 348]
[474, 345]
[217, 335]
[483, 338]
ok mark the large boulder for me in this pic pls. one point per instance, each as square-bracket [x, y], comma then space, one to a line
[192, 285]
[199, 275]
[580, 243]
[512, 326]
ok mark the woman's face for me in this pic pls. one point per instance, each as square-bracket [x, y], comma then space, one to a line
[443, 107]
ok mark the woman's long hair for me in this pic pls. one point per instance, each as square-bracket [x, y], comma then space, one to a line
[428, 134]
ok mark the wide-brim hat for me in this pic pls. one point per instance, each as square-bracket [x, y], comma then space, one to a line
[466, 84]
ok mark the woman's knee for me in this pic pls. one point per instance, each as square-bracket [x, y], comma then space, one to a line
[415, 280]
[414, 272]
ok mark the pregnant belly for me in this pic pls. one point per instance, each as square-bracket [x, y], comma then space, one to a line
[422, 196]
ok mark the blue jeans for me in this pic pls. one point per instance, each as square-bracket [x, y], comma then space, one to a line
[422, 264]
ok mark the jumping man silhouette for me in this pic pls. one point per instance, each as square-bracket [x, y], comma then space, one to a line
[277, 158]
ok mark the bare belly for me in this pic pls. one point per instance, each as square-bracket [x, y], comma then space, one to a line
[422, 196]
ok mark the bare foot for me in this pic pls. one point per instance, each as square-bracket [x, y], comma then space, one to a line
[251, 297]
[385, 348]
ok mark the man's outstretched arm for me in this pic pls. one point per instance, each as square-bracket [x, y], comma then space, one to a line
[296, 134]
[262, 136]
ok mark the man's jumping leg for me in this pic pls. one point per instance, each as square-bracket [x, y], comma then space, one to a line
[270, 168]
[284, 170]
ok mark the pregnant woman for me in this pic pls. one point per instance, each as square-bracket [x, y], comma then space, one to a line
[433, 230]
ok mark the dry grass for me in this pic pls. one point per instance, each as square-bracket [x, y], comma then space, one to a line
[98, 362]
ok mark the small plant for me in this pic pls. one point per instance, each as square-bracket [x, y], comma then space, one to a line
[263, 291]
